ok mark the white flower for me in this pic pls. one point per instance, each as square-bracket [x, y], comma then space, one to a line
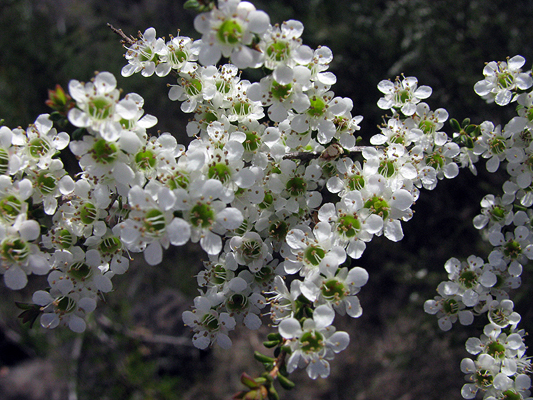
[313, 343]
[311, 251]
[228, 30]
[143, 55]
[338, 290]
[19, 257]
[95, 105]
[209, 325]
[66, 310]
[150, 225]
[402, 95]
[207, 216]
[501, 78]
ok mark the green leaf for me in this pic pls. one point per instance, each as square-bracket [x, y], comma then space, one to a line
[30, 314]
[274, 336]
[191, 5]
[262, 358]
[248, 381]
[285, 382]
[271, 343]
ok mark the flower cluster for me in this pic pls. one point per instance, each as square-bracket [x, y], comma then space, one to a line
[250, 189]
[478, 287]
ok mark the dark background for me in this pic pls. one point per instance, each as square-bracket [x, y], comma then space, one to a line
[136, 346]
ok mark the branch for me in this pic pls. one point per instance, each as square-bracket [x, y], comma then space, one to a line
[125, 39]
[332, 152]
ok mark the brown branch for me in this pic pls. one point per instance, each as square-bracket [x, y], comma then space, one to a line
[278, 363]
[125, 39]
[331, 152]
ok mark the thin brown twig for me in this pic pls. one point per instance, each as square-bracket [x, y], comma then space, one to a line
[129, 40]
[305, 156]
[278, 363]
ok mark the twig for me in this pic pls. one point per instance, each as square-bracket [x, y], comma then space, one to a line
[125, 39]
[331, 152]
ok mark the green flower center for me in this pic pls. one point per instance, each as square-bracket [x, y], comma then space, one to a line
[313, 255]
[468, 279]
[280, 92]
[497, 145]
[65, 239]
[278, 230]
[229, 32]
[267, 201]
[497, 213]
[252, 141]
[428, 127]
[46, 183]
[450, 306]
[38, 147]
[237, 302]
[210, 322]
[356, 182]
[505, 80]
[341, 123]
[219, 171]
[100, 108]
[145, 160]
[193, 87]
[104, 152]
[483, 378]
[154, 222]
[312, 341]
[218, 274]
[65, 304]
[110, 245]
[318, 107]
[402, 96]
[10, 208]
[296, 186]
[377, 205]
[177, 57]
[242, 108]
[386, 168]
[251, 249]
[329, 169]
[512, 249]
[278, 51]
[202, 215]
[265, 274]
[15, 249]
[348, 225]
[333, 290]
[435, 160]
[88, 213]
[80, 271]
[180, 179]
[496, 350]
[223, 86]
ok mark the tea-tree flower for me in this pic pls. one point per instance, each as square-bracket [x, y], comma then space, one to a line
[402, 95]
[143, 55]
[228, 31]
[209, 325]
[313, 343]
[501, 78]
[19, 256]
